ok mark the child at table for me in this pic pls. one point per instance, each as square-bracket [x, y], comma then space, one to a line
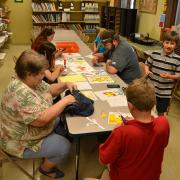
[48, 49]
[163, 69]
[98, 45]
[45, 36]
[135, 150]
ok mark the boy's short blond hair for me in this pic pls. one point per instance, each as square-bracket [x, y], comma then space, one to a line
[171, 36]
[141, 94]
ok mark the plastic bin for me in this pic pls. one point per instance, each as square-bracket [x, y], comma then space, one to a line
[70, 47]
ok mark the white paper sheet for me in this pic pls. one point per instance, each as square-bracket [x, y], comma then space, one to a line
[117, 101]
[90, 56]
[109, 93]
[83, 86]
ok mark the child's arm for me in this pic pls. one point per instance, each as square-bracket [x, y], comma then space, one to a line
[147, 71]
[111, 149]
[52, 76]
[170, 76]
[94, 48]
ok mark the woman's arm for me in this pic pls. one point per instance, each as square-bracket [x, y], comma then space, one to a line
[51, 113]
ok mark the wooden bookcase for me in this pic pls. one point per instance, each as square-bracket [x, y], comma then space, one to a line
[4, 34]
[78, 15]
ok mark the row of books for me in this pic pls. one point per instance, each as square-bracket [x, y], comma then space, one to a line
[46, 18]
[89, 6]
[43, 6]
[91, 17]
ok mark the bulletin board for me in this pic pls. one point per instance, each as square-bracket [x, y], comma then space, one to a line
[148, 6]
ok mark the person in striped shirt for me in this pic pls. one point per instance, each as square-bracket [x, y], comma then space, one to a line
[163, 69]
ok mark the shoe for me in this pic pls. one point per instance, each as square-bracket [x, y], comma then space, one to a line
[57, 172]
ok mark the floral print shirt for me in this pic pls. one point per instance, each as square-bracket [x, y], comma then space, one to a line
[20, 106]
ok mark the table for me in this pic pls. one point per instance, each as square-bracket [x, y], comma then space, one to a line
[81, 126]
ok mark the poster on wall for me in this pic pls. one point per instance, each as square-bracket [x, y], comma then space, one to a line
[148, 6]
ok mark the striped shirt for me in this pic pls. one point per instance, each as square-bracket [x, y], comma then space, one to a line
[159, 63]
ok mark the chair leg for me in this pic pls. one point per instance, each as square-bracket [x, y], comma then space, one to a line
[18, 166]
[1, 170]
[34, 169]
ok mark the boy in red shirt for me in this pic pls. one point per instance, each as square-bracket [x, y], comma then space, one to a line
[135, 151]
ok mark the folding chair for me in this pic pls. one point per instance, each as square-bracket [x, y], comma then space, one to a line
[175, 94]
[4, 157]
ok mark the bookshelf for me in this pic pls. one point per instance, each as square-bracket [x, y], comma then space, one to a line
[79, 15]
[110, 18]
[4, 21]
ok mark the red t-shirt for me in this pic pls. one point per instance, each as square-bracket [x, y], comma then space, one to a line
[135, 151]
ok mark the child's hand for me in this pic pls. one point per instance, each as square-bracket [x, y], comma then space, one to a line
[147, 71]
[95, 60]
[108, 62]
[95, 51]
[60, 68]
[165, 75]
[59, 52]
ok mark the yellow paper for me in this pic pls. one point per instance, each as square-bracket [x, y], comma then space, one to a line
[72, 78]
[114, 118]
[100, 79]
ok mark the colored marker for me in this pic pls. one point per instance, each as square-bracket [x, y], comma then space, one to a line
[64, 63]
[124, 120]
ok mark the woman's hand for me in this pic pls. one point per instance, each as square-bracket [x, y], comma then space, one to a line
[67, 100]
[71, 86]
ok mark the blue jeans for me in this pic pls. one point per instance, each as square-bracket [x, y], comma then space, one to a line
[54, 147]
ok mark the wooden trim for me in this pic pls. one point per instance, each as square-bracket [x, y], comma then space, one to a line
[170, 13]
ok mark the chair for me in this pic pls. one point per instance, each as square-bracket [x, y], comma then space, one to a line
[175, 94]
[4, 157]
[176, 91]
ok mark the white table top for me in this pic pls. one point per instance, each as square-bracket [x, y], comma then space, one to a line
[81, 125]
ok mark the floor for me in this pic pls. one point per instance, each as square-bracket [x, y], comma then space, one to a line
[89, 166]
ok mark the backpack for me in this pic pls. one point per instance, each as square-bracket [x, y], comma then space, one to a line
[83, 105]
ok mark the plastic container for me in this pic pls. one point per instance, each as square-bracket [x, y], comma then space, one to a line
[71, 47]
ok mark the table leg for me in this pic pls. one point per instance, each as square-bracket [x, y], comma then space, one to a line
[77, 157]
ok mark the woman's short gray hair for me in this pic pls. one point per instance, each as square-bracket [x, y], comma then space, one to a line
[30, 62]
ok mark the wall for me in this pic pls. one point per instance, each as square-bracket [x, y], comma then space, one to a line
[149, 23]
[21, 21]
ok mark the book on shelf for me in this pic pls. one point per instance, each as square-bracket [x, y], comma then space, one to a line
[43, 6]
[46, 18]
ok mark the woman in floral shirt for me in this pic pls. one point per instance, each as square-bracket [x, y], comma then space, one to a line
[27, 116]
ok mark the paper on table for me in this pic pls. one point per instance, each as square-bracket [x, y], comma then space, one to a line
[71, 55]
[90, 95]
[114, 118]
[83, 85]
[59, 61]
[100, 79]
[72, 78]
[89, 56]
[117, 101]
[81, 67]
[109, 93]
